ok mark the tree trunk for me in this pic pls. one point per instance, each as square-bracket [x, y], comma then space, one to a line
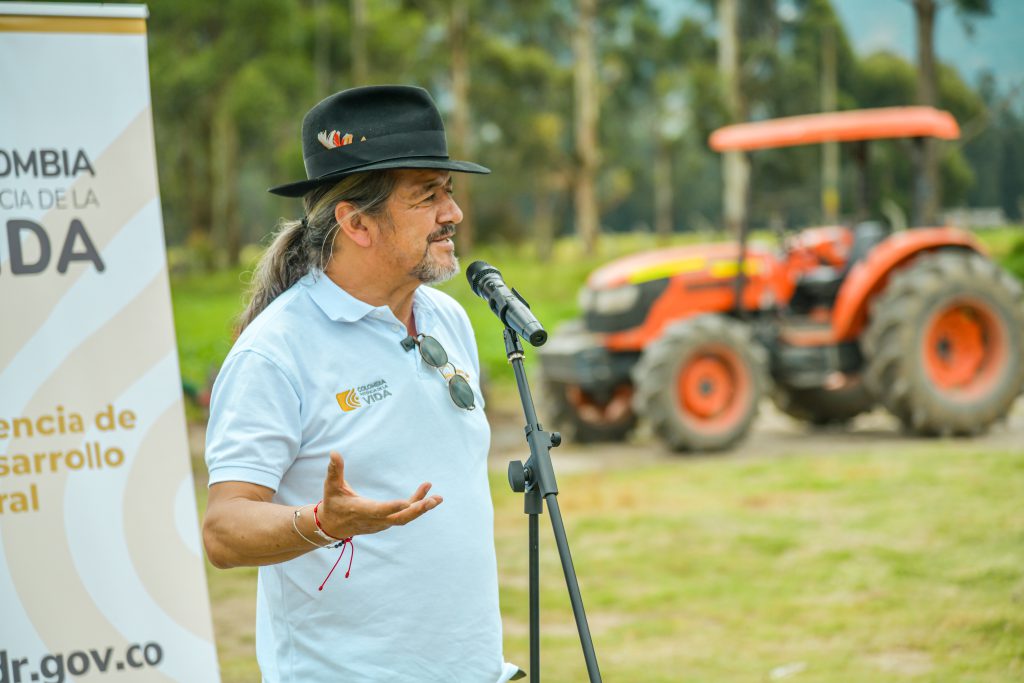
[321, 49]
[662, 190]
[461, 133]
[544, 222]
[586, 97]
[224, 160]
[197, 188]
[830, 150]
[927, 190]
[735, 166]
[357, 44]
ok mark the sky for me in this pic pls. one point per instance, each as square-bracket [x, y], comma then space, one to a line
[996, 45]
[874, 25]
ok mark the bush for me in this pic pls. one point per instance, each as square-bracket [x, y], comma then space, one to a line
[1014, 261]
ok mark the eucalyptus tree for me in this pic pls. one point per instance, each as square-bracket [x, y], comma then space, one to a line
[223, 75]
[928, 194]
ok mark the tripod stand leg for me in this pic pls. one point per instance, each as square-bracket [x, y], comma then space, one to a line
[534, 600]
[574, 589]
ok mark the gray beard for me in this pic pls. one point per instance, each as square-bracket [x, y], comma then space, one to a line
[431, 272]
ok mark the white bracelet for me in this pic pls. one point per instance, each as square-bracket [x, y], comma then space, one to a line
[295, 525]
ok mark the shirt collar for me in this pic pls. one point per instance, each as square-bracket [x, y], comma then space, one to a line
[339, 305]
[335, 302]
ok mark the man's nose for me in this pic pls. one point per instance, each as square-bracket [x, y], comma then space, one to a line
[450, 213]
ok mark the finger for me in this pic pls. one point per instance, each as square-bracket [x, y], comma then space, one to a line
[335, 480]
[414, 511]
[420, 493]
[380, 510]
[336, 469]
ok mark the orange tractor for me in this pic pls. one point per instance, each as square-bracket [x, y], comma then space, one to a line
[691, 338]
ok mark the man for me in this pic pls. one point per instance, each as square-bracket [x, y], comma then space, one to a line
[351, 392]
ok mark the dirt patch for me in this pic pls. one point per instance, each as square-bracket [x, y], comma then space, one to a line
[908, 663]
[774, 435]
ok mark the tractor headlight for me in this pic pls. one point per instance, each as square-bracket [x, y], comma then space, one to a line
[612, 301]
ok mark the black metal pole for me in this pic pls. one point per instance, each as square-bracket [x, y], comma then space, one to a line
[575, 597]
[534, 597]
[537, 479]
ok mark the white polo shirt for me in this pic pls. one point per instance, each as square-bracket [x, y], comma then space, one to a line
[320, 370]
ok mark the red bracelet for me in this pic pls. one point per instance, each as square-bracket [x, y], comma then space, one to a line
[316, 520]
[341, 542]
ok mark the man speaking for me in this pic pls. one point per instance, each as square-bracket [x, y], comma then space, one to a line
[347, 423]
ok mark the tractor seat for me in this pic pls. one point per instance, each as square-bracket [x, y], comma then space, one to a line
[820, 286]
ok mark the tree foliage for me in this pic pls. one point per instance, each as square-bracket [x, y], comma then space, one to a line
[231, 81]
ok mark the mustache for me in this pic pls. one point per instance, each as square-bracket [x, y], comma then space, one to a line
[441, 233]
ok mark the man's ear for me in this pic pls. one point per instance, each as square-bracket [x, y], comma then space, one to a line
[352, 224]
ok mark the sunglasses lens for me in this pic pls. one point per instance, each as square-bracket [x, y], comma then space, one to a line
[432, 352]
[461, 392]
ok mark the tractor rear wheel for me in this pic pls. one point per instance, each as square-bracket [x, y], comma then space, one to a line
[700, 383]
[820, 406]
[586, 417]
[945, 344]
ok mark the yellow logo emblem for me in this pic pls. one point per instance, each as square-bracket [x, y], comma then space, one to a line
[348, 400]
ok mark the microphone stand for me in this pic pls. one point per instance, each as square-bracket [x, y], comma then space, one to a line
[537, 480]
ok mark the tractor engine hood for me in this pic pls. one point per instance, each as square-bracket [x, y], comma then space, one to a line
[619, 295]
[704, 260]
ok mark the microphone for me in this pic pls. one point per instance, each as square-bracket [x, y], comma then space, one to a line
[486, 282]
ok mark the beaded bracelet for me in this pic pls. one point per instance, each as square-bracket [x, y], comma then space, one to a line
[333, 543]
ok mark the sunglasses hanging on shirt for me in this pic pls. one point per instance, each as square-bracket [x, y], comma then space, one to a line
[434, 355]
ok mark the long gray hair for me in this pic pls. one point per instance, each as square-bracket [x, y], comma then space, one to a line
[301, 246]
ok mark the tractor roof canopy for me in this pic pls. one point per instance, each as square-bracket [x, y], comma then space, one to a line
[843, 126]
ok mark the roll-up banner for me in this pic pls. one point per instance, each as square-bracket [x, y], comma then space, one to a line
[101, 572]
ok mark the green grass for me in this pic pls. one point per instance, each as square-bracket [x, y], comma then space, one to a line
[869, 567]
[205, 305]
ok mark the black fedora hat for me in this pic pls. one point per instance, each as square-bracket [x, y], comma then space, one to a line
[369, 129]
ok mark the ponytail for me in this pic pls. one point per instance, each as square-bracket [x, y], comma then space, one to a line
[301, 246]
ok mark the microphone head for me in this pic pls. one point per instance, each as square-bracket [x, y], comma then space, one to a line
[476, 271]
[535, 334]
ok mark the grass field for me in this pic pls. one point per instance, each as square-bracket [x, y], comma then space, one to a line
[869, 567]
[873, 566]
[206, 304]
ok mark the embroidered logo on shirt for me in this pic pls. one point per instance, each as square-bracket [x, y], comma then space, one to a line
[348, 400]
[363, 395]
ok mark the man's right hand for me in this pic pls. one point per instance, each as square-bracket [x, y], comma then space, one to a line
[344, 513]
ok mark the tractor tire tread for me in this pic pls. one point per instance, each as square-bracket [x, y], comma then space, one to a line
[655, 372]
[891, 342]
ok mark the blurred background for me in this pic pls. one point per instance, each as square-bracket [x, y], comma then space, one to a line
[852, 558]
[553, 93]
[594, 117]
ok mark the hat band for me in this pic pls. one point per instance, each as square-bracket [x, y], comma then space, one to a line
[426, 143]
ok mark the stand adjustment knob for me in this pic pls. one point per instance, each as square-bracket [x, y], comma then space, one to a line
[556, 439]
[517, 476]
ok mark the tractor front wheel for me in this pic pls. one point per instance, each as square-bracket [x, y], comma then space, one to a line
[945, 344]
[700, 383]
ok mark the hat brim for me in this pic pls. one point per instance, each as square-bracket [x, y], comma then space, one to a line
[300, 188]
